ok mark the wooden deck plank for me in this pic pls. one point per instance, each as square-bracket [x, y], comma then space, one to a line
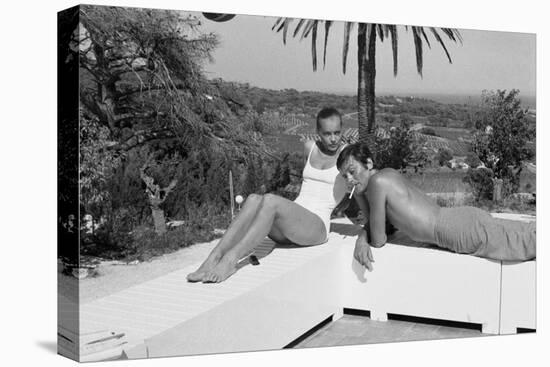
[153, 308]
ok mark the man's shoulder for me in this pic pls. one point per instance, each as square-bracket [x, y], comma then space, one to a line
[383, 181]
[385, 176]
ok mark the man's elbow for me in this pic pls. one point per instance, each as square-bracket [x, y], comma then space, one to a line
[380, 242]
[377, 245]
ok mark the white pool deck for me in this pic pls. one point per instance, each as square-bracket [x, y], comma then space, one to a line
[293, 289]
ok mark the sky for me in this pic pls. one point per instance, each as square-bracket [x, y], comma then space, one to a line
[250, 51]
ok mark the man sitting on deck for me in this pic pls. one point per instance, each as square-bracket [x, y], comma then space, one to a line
[386, 194]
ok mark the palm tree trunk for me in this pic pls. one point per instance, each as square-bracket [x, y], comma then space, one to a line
[362, 82]
[370, 73]
[366, 59]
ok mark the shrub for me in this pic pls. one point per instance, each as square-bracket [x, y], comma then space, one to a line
[118, 239]
[481, 181]
[393, 148]
[503, 132]
[472, 160]
[443, 156]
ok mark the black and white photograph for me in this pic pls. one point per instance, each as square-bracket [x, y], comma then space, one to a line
[274, 183]
[234, 183]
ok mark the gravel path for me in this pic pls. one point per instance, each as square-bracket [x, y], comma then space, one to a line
[112, 277]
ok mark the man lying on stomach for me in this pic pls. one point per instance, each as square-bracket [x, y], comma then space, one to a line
[386, 194]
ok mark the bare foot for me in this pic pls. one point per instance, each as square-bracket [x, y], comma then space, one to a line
[223, 270]
[206, 267]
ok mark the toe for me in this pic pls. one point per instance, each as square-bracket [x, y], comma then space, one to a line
[194, 277]
[207, 278]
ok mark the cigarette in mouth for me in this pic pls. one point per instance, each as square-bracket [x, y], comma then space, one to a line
[351, 193]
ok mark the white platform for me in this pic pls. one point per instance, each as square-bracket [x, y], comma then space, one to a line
[425, 283]
[268, 306]
[518, 298]
[259, 308]
[519, 288]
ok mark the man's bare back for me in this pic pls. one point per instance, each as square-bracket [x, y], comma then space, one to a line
[403, 204]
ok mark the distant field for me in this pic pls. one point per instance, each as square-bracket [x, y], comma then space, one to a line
[458, 148]
[284, 143]
[451, 133]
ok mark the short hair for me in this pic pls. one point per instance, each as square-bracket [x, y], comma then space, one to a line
[359, 151]
[328, 112]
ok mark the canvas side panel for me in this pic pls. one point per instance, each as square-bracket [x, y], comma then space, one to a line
[67, 182]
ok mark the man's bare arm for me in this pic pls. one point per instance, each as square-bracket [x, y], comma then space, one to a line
[376, 196]
[363, 204]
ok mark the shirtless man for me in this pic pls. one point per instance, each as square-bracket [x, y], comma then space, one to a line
[304, 221]
[386, 194]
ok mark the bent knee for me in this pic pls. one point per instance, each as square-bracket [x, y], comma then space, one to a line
[271, 199]
[254, 198]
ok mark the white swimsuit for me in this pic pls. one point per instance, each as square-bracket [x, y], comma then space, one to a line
[321, 190]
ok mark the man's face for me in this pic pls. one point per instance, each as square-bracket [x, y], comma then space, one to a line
[355, 174]
[330, 132]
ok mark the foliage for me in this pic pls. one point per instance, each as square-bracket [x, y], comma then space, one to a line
[281, 175]
[443, 156]
[502, 135]
[398, 148]
[366, 55]
[481, 182]
[121, 239]
[146, 105]
[97, 164]
[472, 160]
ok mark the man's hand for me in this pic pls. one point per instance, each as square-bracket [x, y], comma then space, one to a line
[362, 253]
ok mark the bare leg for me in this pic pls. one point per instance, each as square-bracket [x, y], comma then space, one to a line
[275, 215]
[234, 233]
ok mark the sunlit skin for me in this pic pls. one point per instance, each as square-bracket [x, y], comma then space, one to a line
[387, 194]
[270, 215]
[330, 134]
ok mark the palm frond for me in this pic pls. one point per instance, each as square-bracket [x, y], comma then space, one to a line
[298, 26]
[449, 33]
[386, 29]
[393, 32]
[422, 30]
[286, 23]
[309, 25]
[281, 25]
[279, 20]
[328, 23]
[453, 34]
[438, 38]
[347, 31]
[381, 32]
[458, 35]
[314, 44]
[418, 49]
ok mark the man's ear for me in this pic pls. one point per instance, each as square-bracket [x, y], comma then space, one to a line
[370, 164]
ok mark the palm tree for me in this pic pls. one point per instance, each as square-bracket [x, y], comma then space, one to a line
[366, 56]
